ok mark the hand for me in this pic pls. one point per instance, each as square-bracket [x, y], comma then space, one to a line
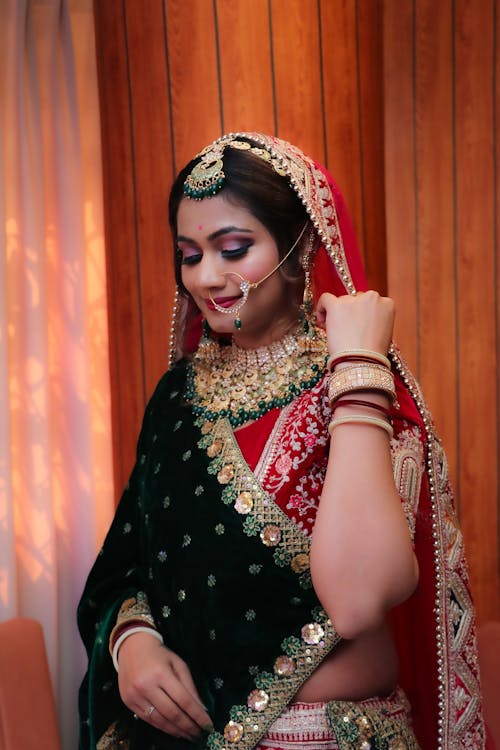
[152, 675]
[363, 321]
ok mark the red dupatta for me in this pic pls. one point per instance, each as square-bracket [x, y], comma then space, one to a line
[435, 630]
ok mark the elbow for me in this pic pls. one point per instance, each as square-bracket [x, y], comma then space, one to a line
[358, 610]
[351, 622]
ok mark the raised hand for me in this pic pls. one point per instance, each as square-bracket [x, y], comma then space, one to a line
[361, 321]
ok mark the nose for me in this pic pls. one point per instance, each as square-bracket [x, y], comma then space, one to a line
[209, 273]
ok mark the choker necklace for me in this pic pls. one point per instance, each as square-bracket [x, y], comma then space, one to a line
[243, 384]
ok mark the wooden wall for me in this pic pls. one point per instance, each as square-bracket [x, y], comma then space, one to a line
[399, 99]
[441, 99]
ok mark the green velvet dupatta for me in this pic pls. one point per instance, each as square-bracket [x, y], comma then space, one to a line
[226, 575]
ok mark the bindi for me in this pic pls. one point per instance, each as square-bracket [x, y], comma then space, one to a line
[200, 227]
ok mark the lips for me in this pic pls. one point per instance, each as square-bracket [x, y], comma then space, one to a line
[222, 302]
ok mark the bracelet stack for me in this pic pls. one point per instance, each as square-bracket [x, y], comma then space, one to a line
[365, 371]
[134, 617]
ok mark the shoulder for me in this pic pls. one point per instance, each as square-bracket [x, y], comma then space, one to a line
[169, 389]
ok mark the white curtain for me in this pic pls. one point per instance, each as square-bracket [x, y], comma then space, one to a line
[56, 495]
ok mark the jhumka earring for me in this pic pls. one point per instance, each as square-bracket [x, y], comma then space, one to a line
[208, 346]
[309, 341]
[308, 299]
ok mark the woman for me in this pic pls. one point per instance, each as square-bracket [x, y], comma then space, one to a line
[213, 614]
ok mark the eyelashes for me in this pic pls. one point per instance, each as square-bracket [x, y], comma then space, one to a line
[233, 254]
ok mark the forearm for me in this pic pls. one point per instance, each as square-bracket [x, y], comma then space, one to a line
[362, 561]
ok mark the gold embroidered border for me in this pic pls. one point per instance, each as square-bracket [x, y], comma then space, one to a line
[300, 656]
[248, 723]
[261, 516]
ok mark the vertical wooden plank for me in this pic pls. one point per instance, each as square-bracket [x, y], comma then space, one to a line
[476, 296]
[371, 107]
[245, 65]
[125, 325]
[496, 125]
[194, 83]
[296, 62]
[435, 212]
[153, 173]
[341, 104]
[401, 219]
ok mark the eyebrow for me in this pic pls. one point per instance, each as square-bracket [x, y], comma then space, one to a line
[218, 233]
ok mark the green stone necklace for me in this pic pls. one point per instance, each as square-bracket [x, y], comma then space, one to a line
[243, 384]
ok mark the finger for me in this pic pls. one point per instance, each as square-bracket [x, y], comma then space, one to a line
[169, 714]
[186, 679]
[324, 302]
[184, 695]
[173, 726]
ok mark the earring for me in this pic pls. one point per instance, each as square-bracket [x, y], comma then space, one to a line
[307, 298]
[208, 348]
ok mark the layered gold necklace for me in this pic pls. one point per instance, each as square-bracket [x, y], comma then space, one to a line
[243, 384]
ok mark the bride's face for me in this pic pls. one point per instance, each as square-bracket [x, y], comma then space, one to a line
[220, 243]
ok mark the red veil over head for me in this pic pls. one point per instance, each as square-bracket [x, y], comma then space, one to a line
[435, 629]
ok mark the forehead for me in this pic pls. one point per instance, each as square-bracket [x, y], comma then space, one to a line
[210, 214]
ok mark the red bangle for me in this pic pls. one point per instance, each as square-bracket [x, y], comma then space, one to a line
[359, 402]
[120, 629]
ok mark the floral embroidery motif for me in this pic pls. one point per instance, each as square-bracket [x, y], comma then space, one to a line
[407, 453]
[293, 464]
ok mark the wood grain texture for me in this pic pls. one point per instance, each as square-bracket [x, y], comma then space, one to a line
[400, 172]
[297, 78]
[194, 77]
[476, 294]
[369, 64]
[244, 35]
[441, 87]
[124, 303]
[148, 91]
[435, 251]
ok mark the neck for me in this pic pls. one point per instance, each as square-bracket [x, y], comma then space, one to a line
[255, 339]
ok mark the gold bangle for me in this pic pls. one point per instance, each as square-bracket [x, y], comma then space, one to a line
[358, 419]
[377, 356]
[361, 378]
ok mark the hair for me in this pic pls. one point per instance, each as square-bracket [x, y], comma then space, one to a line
[252, 183]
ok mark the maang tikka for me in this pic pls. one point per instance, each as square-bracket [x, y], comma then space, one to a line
[207, 177]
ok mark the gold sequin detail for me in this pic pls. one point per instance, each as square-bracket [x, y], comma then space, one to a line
[205, 428]
[300, 563]
[271, 535]
[284, 666]
[244, 502]
[214, 449]
[233, 732]
[258, 700]
[226, 474]
[312, 633]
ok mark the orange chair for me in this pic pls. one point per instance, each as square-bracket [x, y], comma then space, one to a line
[489, 661]
[27, 709]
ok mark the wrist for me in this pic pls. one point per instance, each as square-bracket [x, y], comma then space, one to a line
[126, 634]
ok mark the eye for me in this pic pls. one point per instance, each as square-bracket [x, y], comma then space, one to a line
[189, 257]
[236, 252]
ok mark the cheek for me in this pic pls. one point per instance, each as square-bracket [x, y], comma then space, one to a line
[254, 269]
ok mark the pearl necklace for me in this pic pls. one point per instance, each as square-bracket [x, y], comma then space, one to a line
[243, 384]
